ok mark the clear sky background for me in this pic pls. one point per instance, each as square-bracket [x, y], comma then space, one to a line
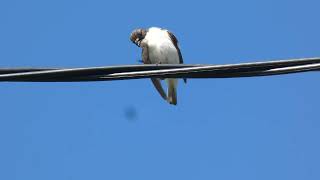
[247, 128]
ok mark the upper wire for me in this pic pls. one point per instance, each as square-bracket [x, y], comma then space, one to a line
[122, 72]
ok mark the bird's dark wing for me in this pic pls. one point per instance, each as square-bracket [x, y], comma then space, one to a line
[157, 84]
[175, 42]
[156, 81]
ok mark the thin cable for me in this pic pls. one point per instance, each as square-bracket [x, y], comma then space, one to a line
[162, 71]
[210, 72]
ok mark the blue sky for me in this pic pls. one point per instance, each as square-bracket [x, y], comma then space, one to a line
[247, 128]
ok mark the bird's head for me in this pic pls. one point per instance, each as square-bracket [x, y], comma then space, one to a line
[137, 36]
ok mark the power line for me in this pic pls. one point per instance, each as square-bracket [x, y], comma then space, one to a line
[108, 73]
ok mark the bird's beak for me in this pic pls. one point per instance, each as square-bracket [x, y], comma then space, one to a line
[137, 42]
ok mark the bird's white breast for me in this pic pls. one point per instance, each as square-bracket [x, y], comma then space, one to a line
[160, 47]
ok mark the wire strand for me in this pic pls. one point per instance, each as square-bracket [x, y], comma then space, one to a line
[108, 73]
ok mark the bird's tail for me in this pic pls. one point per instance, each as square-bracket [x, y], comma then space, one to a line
[172, 91]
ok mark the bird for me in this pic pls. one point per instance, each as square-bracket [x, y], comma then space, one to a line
[159, 46]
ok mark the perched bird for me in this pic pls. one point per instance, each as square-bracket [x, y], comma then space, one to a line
[159, 46]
